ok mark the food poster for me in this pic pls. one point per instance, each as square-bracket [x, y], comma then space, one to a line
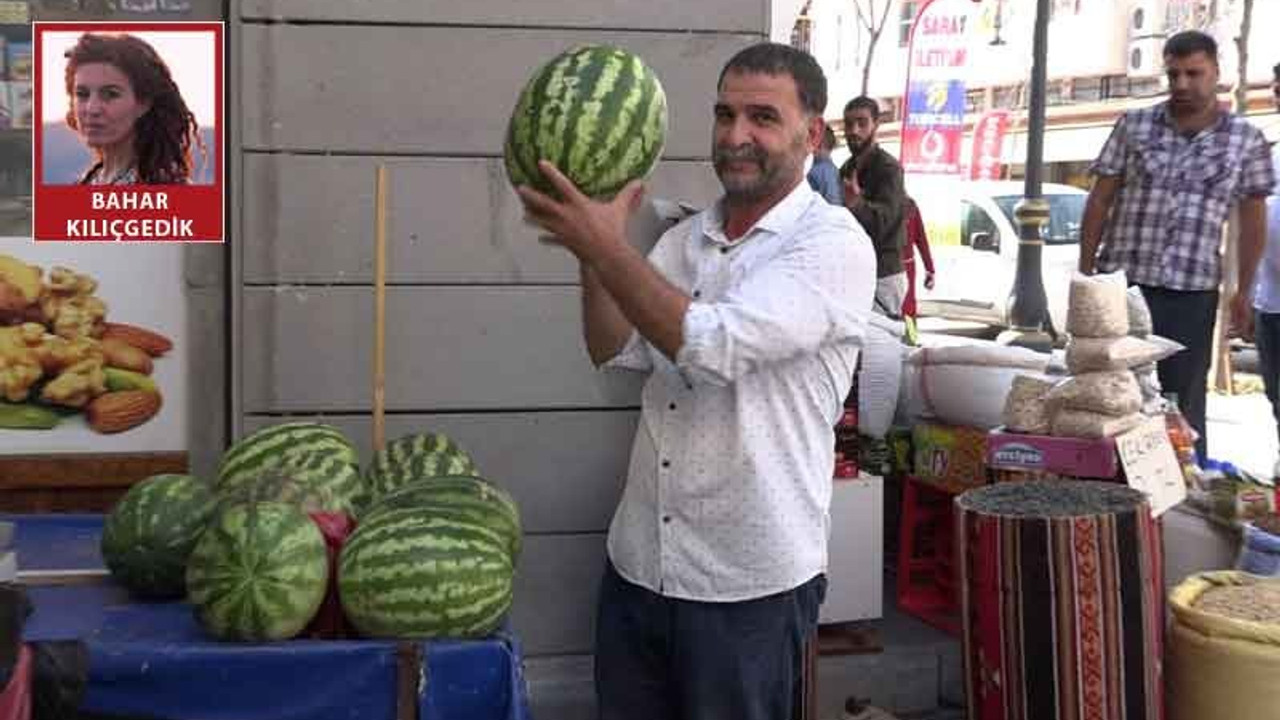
[93, 348]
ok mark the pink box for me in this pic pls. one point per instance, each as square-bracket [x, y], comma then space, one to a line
[1076, 457]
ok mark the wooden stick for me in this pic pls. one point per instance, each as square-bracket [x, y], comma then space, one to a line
[380, 312]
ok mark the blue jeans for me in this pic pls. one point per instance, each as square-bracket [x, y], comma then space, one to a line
[1267, 338]
[660, 658]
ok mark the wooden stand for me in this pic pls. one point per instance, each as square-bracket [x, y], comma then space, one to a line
[380, 312]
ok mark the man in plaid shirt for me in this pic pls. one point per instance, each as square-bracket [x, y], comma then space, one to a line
[1165, 182]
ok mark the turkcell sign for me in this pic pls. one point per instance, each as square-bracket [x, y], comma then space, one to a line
[933, 126]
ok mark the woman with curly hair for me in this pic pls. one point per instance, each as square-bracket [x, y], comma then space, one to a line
[125, 106]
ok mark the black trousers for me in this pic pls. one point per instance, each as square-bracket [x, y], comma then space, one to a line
[660, 658]
[1186, 317]
[1267, 338]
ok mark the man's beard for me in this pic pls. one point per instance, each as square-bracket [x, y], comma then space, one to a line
[857, 147]
[774, 170]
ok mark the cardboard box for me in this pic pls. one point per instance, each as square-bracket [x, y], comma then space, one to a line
[1042, 456]
[950, 457]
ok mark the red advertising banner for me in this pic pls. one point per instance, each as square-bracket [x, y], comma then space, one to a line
[988, 142]
[933, 124]
[129, 127]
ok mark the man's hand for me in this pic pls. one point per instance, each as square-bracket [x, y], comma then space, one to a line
[1242, 315]
[852, 191]
[928, 281]
[580, 224]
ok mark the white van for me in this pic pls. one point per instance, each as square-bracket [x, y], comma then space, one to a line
[974, 241]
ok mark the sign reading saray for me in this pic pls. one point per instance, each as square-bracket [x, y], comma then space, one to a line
[988, 142]
[933, 125]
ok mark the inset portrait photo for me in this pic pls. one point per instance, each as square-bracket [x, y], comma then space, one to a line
[128, 123]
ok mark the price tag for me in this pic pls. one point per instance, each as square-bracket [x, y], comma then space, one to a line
[1151, 465]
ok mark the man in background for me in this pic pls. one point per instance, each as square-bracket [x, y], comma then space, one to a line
[824, 177]
[1165, 182]
[1267, 299]
[874, 193]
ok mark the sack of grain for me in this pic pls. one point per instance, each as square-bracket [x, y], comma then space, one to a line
[1098, 306]
[1223, 657]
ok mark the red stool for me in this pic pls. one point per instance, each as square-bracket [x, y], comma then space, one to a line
[926, 584]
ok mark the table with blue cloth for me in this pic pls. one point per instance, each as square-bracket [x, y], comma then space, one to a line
[153, 660]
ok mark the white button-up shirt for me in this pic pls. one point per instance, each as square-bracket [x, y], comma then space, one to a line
[729, 486]
[1267, 298]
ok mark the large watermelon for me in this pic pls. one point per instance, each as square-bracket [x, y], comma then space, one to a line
[278, 485]
[407, 574]
[276, 445]
[415, 457]
[597, 113]
[458, 497]
[151, 531]
[258, 573]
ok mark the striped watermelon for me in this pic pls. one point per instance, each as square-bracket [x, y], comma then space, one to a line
[415, 457]
[408, 574]
[278, 485]
[259, 572]
[149, 534]
[458, 497]
[275, 445]
[597, 113]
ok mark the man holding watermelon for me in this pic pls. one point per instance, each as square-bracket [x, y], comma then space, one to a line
[747, 318]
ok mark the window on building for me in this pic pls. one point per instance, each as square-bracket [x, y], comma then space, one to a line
[975, 101]
[1087, 89]
[1007, 97]
[906, 19]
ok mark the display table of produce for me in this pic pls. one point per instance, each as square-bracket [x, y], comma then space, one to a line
[154, 659]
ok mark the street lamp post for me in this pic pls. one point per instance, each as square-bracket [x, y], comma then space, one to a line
[1028, 311]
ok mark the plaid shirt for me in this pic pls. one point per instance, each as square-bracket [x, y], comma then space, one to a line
[1165, 229]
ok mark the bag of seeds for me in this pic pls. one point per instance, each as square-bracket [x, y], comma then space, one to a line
[1113, 393]
[1139, 313]
[1084, 424]
[1025, 407]
[1086, 354]
[1098, 306]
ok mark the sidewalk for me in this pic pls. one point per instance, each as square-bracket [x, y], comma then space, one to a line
[1242, 431]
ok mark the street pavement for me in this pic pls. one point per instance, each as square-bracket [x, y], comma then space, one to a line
[1242, 431]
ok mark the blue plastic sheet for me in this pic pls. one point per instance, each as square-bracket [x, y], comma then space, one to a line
[153, 659]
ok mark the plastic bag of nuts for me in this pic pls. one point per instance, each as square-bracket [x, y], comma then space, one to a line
[1083, 424]
[1026, 407]
[1113, 393]
[1098, 306]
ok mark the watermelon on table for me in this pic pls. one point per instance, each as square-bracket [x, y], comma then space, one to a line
[459, 497]
[278, 444]
[598, 113]
[150, 532]
[280, 485]
[415, 457]
[408, 574]
[258, 573]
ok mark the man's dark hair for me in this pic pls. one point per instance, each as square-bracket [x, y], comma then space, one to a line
[1190, 42]
[1276, 71]
[828, 138]
[862, 102]
[777, 59]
